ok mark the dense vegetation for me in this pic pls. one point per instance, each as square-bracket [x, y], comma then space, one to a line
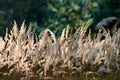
[55, 14]
[73, 55]
[25, 56]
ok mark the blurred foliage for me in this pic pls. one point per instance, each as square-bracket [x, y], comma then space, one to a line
[55, 14]
[72, 12]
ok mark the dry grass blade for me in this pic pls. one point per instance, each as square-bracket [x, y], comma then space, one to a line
[84, 29]
[14, 30]
[62, 38]
[67, 31]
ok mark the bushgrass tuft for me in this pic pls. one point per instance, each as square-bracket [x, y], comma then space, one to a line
[25, 56]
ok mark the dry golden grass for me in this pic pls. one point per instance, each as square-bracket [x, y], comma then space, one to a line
[24, 56]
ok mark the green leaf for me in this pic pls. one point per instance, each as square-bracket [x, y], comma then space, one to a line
[62, 10]
[95, 4]
[52, 8]
[75, 7]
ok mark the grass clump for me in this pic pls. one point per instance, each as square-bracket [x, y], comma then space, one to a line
[24, 56]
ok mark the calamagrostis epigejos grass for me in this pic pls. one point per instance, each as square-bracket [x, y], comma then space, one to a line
[69, 57]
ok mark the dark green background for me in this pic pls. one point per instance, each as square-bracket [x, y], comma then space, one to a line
[55, 14]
